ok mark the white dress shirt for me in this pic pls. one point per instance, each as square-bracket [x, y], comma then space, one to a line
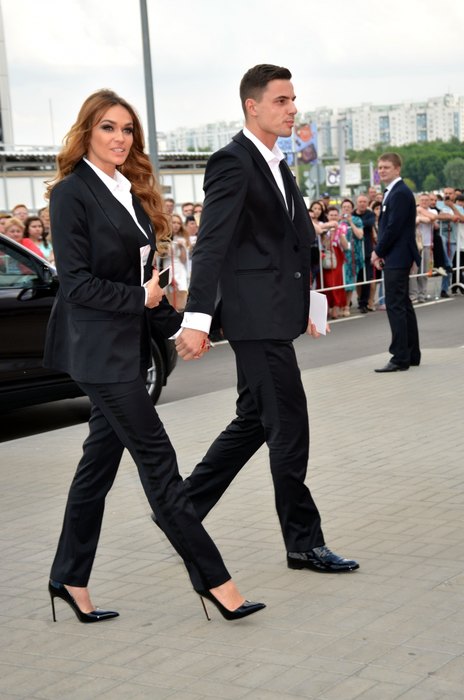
[120, 188]
[389, 189]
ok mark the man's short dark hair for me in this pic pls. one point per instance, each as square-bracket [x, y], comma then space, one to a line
[255, 80]
[393, 158]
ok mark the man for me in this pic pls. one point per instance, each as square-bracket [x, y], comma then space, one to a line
[425, 221]
[187, 209]
[254, 242]
[449, 216]
[169, 205]
[325, 199]
[367, 216]
[395, 252]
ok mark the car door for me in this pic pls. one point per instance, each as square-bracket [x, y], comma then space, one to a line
[27, 291]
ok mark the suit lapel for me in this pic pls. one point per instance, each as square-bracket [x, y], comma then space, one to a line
[114, 211]
[262, 164]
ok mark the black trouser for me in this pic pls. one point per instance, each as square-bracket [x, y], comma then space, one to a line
[271, 408]
[402, 318]
[123, 416]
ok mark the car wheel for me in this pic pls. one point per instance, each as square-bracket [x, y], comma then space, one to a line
[156, 373]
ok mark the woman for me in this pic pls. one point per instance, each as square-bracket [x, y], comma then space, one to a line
[34, 231]
[333, 256]
[179, 253]
[318, 218]
[104, 208]
[377, 209]
[14, 229]
[354, 253]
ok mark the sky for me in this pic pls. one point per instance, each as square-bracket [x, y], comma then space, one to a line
[341, 53]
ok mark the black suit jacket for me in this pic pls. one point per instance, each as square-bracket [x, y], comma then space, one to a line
[251, 247]
[95, 328]
[397, 229]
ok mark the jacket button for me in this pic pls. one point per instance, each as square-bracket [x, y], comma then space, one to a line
[297, 275]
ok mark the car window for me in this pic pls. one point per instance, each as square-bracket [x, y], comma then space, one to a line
[18, 269]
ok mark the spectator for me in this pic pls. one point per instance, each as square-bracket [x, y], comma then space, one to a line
[187, 209]
[458, 259]
[367, 217]
[318, 217]
[44, 215]
[34, 231]
[352, 226]
[197, 212]
[169, 205]
[325, 199]
[425, 221]
[448, 217]
[14, 229]
[4, 217]
[376, 208]
[180, 246]
[20, 211]
[334, 244]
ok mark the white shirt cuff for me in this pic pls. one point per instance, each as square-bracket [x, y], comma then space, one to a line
[197, 321]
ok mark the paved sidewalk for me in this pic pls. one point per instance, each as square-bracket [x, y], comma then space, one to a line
[387, 473]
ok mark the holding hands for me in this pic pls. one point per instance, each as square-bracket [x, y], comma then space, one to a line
[192, 344]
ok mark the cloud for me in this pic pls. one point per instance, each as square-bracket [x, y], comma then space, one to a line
[341, 54]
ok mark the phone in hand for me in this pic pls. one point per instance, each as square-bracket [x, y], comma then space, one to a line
[165, 277]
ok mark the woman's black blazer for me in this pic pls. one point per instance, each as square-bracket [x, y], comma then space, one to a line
[94, 331]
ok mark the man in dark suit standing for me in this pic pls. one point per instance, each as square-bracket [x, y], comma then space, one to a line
[395, 252]
[254, 246]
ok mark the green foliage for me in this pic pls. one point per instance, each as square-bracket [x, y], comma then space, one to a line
[430, 183]
[421, 161]
[410, 183]
[454, 172]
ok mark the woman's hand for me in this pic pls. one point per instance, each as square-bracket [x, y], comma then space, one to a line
[154, 291]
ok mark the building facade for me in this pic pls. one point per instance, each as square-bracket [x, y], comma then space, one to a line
[368, 125]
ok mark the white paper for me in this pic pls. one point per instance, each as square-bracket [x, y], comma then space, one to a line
[318, 311]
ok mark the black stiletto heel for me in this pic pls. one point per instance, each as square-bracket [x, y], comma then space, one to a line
[58, 590]
[247, 608]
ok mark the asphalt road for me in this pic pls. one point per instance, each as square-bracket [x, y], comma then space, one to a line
[441, 324]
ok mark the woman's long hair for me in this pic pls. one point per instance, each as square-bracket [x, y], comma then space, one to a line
[137, 167]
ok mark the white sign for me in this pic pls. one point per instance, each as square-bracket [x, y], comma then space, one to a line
[352, 174]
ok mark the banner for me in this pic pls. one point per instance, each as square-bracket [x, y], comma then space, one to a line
[303, 144]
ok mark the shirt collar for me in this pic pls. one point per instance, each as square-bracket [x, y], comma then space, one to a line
[270, 156]
[393, 183]
[119, 181]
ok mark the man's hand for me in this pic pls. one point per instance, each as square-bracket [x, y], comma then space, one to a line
[154, 291]
[192, 344]
[312, 330]
[376, 261]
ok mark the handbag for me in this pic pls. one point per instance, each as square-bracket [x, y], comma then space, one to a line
[329, 259]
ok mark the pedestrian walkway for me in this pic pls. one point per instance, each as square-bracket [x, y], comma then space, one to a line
[387, 473]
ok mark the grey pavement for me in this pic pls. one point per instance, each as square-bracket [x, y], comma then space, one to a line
[387, 472]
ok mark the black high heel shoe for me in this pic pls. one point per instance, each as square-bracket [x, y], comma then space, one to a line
[247, 608]
[58, 590]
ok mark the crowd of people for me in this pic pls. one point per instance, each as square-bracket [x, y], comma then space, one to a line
[340, 256]
[31, 230]
[347, 234]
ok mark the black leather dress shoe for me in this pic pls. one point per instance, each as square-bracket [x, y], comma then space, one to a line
[321, 559]
[391, 367]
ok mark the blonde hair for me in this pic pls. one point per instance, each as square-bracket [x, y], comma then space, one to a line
[137, 167]
[13, 221]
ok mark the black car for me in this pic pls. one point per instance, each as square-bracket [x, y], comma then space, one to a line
[28, 285]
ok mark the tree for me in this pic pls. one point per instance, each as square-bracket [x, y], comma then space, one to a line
[454, 172]
[410, 183]
[430, 183]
